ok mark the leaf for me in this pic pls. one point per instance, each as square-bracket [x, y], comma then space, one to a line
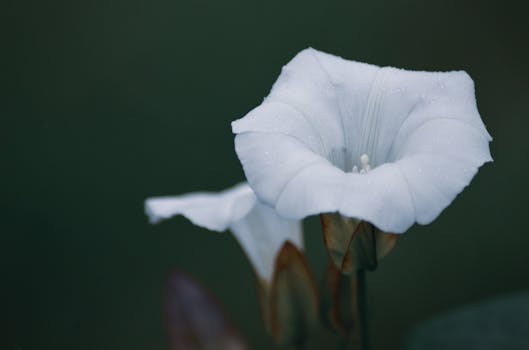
[338, 233]
[290, 303]
[343, 306]
[194, 318]
[354, 245]
[337, 301]
[363, 249]
[498, 324]
[385, 243]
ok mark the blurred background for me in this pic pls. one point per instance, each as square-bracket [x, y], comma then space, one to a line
[105, 103]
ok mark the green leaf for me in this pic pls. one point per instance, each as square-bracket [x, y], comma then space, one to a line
[498, 324]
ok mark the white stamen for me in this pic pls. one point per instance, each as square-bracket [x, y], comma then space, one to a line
[364, 165]
[364, 159]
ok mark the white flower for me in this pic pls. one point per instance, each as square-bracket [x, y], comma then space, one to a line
[258, 228]
[381, 144]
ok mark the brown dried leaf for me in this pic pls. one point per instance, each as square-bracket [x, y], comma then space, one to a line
[336, 301]
[353, 245]
[363, 249]
[385, 243]
[338, 233]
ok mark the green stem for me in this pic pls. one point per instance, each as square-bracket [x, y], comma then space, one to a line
[359, 338]
[362, 309]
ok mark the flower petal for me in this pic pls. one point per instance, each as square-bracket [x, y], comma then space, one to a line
[311, 185]
[214, 211]
[310, 99]
[298, 148]
[438, 161]
[262, 233]
[258, 228]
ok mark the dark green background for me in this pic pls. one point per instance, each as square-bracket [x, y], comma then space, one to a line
[107, 102]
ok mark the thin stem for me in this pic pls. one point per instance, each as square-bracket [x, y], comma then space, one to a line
[359, 338]
[362, 309]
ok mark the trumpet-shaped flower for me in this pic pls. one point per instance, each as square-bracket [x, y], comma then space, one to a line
[380, 144]
[260, 231]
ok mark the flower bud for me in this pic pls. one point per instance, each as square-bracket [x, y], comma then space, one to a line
[289, 303]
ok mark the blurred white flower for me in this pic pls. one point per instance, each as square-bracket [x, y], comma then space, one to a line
[380, 144]
[260, 231]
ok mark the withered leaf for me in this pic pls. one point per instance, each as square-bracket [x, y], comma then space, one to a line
[336, 301]
[354, 245]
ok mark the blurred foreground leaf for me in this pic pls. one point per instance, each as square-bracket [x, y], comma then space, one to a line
[498, 324]
[194, 318]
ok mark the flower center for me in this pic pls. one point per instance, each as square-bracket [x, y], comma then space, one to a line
[343, 159]
[372, 119]
[363, 131]
[364, 165]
